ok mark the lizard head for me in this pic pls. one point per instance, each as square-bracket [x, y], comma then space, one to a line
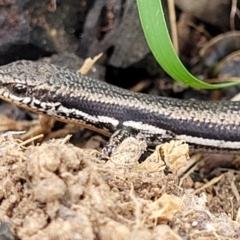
[24, 83]
[55, 91]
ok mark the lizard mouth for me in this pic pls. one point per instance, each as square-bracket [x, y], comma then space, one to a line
[54, 110]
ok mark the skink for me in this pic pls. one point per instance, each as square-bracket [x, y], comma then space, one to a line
[70, 97]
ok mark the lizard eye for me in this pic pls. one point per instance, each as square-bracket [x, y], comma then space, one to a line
[19, 88]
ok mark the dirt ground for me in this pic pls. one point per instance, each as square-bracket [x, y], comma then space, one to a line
[55, 190]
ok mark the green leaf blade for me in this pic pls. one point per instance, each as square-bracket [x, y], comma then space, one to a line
[156, 32]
